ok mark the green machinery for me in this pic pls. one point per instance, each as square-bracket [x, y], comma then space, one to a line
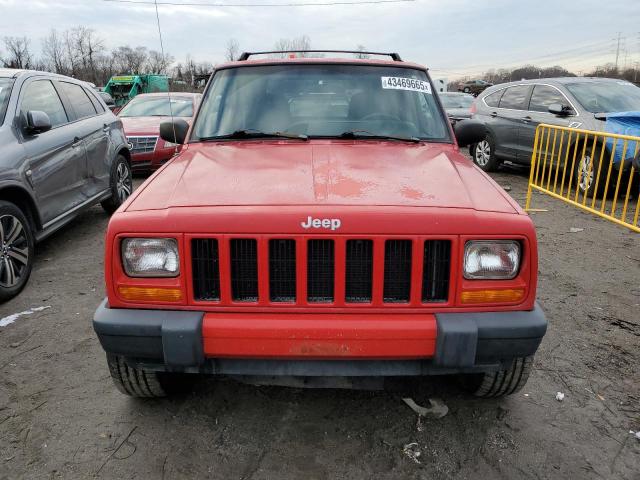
[124, 87]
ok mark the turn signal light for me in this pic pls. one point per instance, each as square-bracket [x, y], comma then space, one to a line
[492, 296]
[150, 294]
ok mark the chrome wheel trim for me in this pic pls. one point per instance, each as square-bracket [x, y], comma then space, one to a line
[483, 153]
[585, 173]
[14, 251]
[124, 184]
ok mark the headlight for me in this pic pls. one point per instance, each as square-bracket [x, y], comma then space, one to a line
[491, 259]
[150, 257]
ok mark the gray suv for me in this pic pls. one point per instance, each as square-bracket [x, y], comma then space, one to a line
[512, 111]
[62, 152]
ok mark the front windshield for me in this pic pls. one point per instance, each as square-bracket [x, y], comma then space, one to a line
[5, 92]
[158, 107]
[606, 97]
[456, 101]
[321, 101]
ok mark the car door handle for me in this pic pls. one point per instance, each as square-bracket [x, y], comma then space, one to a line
[106, 128]
[527, 119]
[76, 142]
[493, 114]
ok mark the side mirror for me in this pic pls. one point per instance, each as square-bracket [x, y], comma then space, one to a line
[559, 109]
[174, 131]
[37, 122]
[468, 132]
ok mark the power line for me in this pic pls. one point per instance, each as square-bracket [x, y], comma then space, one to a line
[291, 4]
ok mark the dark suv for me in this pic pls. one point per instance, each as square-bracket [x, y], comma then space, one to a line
[62, 152]
[474, 87]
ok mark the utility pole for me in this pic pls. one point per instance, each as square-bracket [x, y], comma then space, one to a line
[618, 49]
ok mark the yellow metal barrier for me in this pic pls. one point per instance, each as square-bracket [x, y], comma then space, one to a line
[582, 168]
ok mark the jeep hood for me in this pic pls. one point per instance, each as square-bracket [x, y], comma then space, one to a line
[363, 173]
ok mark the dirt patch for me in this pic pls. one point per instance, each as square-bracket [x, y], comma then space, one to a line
[60, 416]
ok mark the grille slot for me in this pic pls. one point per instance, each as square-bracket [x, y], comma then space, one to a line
[320, 271]
[205, 264]
[244, 270]
[397, 271]
[436, 270]
[282, 270]
[142, 144]
[359, 271]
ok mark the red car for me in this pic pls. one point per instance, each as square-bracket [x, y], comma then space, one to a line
[319, 222]
[141, 119]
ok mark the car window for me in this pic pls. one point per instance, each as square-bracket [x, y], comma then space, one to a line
[514, 97]
[158, 107]
[607, 96]
[41, 96]
[456, 101]
[321, 101]
[93, 95]
[5, 92]
[543, 96]
[493, 100]
[80, 101]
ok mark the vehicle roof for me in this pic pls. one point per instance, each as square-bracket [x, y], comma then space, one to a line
[562, 80]
[17, 72]
[164, 94]
[456, 94]
[319, 61]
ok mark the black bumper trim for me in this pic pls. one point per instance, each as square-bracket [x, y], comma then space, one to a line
[172, 337]
[465, 339]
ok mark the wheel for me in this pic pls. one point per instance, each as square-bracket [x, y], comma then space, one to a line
[466, 89]
[586, 170]
[484, 154]
[120, 184]
[137, 382]
[502, 382]
[16, 250]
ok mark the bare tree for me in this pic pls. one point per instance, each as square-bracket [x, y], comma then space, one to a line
[54, 54]
[19, 55]
[157, 63]
[360, 54]
[232, 50]
[130, 60]
[89, 46]
[291, 44]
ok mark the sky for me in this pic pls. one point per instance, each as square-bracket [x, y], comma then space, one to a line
[452, 37]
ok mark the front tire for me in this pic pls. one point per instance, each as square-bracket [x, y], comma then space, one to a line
[484, 154]
[586, 171]
[16, 250]
[120, 184]
[502, 382]
[141, 383]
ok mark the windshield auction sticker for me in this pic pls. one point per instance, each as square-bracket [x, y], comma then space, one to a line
[402, 83]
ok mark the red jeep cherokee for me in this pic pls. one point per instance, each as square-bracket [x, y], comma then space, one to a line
[320, 221]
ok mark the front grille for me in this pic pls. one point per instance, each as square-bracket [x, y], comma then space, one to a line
[397, 271]
[227, 271]
[282, 270]
[320, 271]
[142, 144]
[244, 270]
[435, 271]
[206, 269]
[359, 271]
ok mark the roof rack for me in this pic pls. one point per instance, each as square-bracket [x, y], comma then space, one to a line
[245, 55]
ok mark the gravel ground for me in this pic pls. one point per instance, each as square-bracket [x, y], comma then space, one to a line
[60, 416]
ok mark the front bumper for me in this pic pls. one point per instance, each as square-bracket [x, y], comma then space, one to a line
[180, 341]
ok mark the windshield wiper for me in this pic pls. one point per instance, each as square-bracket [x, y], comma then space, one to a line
[251, 133]
[367, 134]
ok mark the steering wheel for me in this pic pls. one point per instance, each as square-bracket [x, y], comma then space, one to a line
[380, 116]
